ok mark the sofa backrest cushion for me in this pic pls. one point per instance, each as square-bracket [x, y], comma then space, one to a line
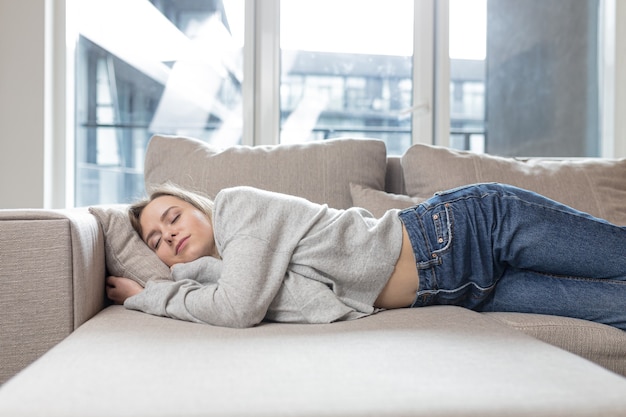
[379, 202]
[318, 171]
[595, 186]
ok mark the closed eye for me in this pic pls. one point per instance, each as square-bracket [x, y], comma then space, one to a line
[156, 244]
[166, 214]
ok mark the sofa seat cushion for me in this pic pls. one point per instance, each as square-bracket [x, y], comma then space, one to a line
[318, 171]
[602, 344]
[444, 361]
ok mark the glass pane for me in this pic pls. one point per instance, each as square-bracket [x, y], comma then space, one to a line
[346, 70]
[147, 67]
[524, 77]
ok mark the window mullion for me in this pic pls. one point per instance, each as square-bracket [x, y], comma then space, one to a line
[620, 81]
[248, 86]
[423, 72]
[442, 74]
[266, 72]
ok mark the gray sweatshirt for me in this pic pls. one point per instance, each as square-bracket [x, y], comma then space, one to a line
[284, 259]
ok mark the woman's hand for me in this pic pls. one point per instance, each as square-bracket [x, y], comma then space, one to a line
[119, 289]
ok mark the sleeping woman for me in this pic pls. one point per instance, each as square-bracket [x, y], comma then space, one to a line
[253, 255]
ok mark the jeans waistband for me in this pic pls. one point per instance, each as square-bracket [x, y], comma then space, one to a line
[426, 259]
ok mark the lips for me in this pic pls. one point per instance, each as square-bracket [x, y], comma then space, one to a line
[181, 244]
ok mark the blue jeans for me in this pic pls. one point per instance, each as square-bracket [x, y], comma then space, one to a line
[494, 247]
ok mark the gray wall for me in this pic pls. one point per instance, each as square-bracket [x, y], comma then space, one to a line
[542, 78]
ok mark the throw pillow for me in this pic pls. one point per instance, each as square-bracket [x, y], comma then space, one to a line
[379, 202]
[126, 255]
[596, 186]
[318, 171]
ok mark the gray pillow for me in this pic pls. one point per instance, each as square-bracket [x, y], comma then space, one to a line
[596, 186]
[126, 255]
[318, 171]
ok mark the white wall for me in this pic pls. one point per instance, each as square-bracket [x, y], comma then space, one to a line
[22, 97]
[33, 106]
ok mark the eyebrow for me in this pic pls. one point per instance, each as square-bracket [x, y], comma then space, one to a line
[163, 216]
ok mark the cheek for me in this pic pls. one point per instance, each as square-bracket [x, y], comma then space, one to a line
[163, 255]
[200, 218]
[203, 224]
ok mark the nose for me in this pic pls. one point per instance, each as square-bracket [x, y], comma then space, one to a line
[169, 236]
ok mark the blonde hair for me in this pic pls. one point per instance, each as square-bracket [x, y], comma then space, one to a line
[196, 199]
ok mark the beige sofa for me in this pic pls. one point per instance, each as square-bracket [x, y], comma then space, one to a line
[76, 355]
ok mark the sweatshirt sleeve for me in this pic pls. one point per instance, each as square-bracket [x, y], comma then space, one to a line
[204, 270]
[251, 276]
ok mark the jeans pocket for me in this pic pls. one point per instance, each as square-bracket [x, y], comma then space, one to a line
[442, 221]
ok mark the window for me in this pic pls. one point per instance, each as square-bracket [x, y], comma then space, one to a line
[498, 76]
[468, 43]
[346, 73]
[146, 67]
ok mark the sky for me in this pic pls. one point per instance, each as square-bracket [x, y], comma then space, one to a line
[363, 26]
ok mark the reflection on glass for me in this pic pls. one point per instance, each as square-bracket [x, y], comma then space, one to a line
[346, 70]
[151, 67]
[468, 31]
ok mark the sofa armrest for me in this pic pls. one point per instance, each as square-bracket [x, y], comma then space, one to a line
[52, 278]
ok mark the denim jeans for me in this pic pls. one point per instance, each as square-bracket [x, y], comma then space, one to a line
[494, 247]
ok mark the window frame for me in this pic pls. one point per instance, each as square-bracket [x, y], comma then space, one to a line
[263, 49]
[430, 124]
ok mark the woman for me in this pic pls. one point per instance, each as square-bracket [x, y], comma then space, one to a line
[258, 255]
